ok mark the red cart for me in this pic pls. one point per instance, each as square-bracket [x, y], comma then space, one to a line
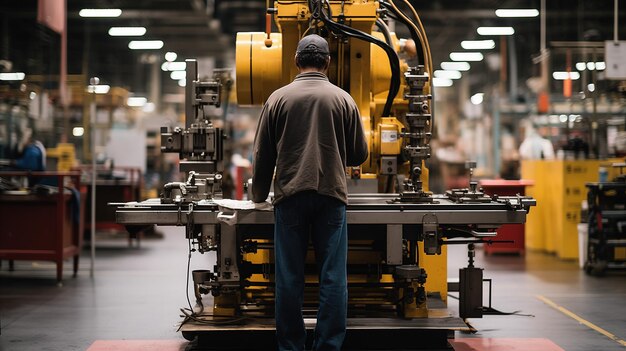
[514, 232]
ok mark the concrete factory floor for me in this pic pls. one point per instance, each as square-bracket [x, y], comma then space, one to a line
[136, 295]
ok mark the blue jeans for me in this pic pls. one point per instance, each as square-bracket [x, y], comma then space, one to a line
[323, 218]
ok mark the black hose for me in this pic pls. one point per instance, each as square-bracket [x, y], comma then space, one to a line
[401, 17]
[394, 84]
[385, 30]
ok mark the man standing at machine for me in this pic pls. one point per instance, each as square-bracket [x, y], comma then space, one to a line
[310, 130]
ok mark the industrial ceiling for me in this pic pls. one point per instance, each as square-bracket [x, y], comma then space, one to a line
[200, 28]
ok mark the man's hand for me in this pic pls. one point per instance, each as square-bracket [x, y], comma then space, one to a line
[263, 206]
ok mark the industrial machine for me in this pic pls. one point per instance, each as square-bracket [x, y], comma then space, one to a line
[606, 244]
[397, 248]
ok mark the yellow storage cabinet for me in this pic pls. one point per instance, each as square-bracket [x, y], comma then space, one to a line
[559, 189]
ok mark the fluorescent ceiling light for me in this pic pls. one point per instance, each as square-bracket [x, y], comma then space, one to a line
[98, 89]
[477, 98]
[145, 44]
[12, 76]
[591, 87]
[174, 66]
[100, 13]
[466, 56]
[442, 82]
[598, 66]
[478, 44]
[448, 74]
[455, 66]
[178, 75]
[182, 82]
[78, 131]
[136, 101]
[127, 31]
[495, 30]
[170, 56]
[517, 13]
[563, 75]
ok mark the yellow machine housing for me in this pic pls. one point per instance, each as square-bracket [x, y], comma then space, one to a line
[261, 69]
[64, 155]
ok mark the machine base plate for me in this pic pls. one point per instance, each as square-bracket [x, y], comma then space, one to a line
[362, 334]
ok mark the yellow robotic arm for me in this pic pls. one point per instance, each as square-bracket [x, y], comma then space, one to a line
[364, 63]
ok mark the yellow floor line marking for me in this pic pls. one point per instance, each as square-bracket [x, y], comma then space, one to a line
[581, 320]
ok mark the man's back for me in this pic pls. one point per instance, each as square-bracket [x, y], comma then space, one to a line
[316, 131]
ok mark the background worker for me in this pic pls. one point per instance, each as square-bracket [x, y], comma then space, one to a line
[33, 156]
[310, 130]
[535, 147]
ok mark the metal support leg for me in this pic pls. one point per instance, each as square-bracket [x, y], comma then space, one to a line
[76, 265]
[394, 244]
[59, 271]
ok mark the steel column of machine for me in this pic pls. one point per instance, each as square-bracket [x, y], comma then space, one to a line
[191, 76]
[93, 81]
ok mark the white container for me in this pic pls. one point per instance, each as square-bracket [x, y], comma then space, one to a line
[583, 240]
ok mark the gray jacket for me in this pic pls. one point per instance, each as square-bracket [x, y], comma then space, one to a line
[310, 130]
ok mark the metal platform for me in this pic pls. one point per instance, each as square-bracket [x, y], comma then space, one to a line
[361, 209]
[362, 334]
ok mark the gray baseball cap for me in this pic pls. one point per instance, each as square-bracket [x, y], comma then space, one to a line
[313, 43]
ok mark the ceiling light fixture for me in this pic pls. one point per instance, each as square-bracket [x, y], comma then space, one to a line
[98, 89]
[477, 98]
[145, 44]
[442, 82]
[495, 30]
[127, 31]
[136, 101]
[598, 66]
[478, 44]
[517, 13]
[100, 13]
[455, 66]
[563, 75]
[173, 66]
[78, 131]
[170, 56]
[447, 74]
[178, 75]
[12, 76]
[466, 56]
